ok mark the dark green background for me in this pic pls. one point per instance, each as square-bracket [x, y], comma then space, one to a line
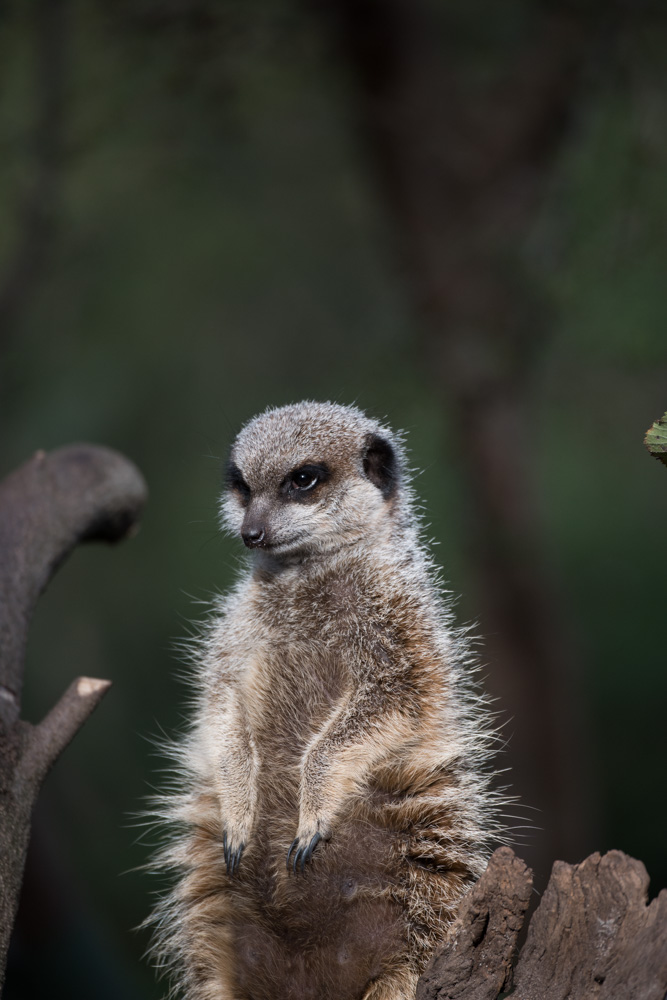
[220, 248]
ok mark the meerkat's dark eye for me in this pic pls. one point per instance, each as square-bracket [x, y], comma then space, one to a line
[304, 480]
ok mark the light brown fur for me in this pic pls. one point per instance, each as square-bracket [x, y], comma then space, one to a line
[333, 698]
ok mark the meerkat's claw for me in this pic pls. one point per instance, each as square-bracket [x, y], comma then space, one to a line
[308, 853]
[232, 857]
[302, 854]
[291, 848]
[236, 859]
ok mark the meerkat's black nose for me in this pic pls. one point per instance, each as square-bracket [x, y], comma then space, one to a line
[253, 537]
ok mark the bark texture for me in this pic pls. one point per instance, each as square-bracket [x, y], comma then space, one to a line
[47, 506]
[476, 965]
[592, 936]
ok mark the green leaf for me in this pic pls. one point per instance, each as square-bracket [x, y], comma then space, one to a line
[656, 439]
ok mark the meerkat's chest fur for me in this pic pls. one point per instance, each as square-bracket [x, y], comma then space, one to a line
[316, 637]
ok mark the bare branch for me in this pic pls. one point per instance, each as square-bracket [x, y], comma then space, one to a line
[48, 740]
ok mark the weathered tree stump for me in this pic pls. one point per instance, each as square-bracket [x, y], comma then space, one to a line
[49, 505]
[592, 936]
[476, 964]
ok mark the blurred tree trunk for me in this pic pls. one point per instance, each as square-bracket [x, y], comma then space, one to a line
[36, 213]
[462, 168]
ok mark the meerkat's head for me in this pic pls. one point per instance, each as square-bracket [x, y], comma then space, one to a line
[312, 478]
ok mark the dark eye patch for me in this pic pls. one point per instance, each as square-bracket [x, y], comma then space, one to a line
[302, 482]
[234, 481]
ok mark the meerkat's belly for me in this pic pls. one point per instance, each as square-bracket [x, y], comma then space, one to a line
[332, 936]
[331, 929]
[326, 932]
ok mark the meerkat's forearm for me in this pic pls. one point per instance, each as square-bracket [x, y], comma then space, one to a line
[339, 759]
[234, 759]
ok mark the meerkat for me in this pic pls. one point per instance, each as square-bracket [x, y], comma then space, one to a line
[332, 802]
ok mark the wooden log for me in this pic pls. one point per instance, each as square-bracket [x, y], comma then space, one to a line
[593, 935]
[476, 963]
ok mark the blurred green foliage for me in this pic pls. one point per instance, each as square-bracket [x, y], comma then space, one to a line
[656, 439]
[219, 248]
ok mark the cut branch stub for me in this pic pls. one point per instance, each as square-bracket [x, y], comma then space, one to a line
[78, 493]
[476, 964]
[59, 727]
[656, 439]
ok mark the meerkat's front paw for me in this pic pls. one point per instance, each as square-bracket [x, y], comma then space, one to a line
[302, 847]
[233, 847]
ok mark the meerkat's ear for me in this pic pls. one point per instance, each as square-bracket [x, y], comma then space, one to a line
[381, 464]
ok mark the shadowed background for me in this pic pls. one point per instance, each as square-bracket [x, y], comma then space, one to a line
[453, 214]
